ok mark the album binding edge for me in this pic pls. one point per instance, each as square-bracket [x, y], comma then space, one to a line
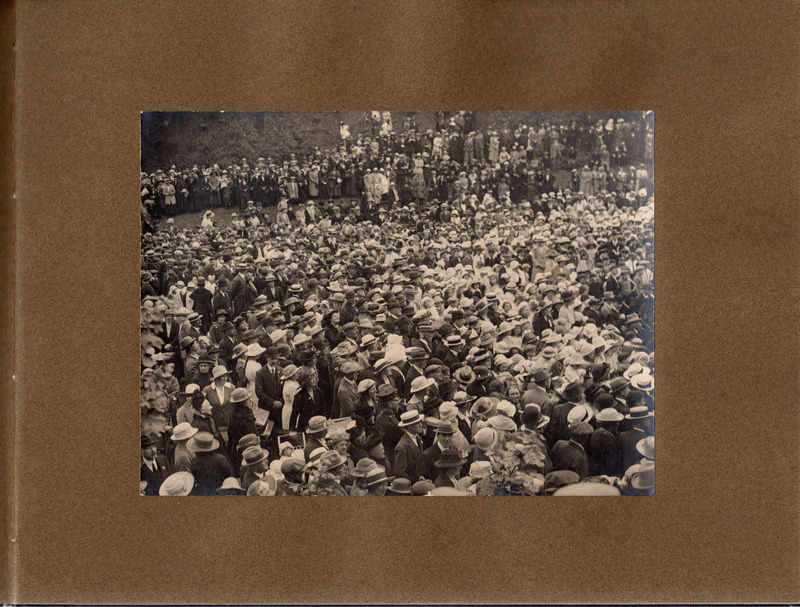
[8, 210]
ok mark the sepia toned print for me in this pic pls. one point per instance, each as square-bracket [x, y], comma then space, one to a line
[397, 303]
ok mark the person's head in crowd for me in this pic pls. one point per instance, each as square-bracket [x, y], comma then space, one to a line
[580, 433]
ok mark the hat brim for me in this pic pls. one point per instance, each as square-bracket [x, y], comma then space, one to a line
[416, 420]
[441, 464]
[387, 479]
[261, 459]
[214, 446]
[188, 436]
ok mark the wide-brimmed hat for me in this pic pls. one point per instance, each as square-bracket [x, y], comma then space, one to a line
[253, 455]
[288, 371]
[330, 460]
[266, 486]
[416, 354]
[255, 350]
[277, 335]
[231, 483]
[461, 399]
[588, 489]
[239, 395]
[218, 371]
[647, 447]
[292, 465]
[448, 428]
[644, 479]
[485, 438]
[248, 440]
[318, 423]
[418, 384]
[609, 414]
[203, 442]
[410, 417]
[450, 458]
[377, 475]
[364, 465]
[464, 375]
[177, 484]
[579, 413]
[502, 422]
[220, 312]
[183, 431]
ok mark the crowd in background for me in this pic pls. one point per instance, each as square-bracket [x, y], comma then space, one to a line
[408, 346]
[386, 165]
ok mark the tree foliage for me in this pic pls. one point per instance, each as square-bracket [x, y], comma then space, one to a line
[157, 387]
[517, 468]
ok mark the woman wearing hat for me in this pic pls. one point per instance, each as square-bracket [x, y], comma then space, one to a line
[308, 401]
[203, 419]
[368, 391]
[330, 467]
[251, 369]
[339, 441]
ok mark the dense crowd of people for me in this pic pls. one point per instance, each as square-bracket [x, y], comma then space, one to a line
[407, 346]
[385, 165]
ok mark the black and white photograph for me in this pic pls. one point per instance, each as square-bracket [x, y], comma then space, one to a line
[397, 303]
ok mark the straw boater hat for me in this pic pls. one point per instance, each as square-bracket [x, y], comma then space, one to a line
[410, 417]
[177, 484]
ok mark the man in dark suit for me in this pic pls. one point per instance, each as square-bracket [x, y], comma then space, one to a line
[408, 451]
[226, 344]
[425, 340]
[153, 466]
[169, 331]
[444, 438]
[254, 465]
[268, 385]
[571, 454]
[348, 312]
[603, 450]
[416, 359]
[272, 289]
